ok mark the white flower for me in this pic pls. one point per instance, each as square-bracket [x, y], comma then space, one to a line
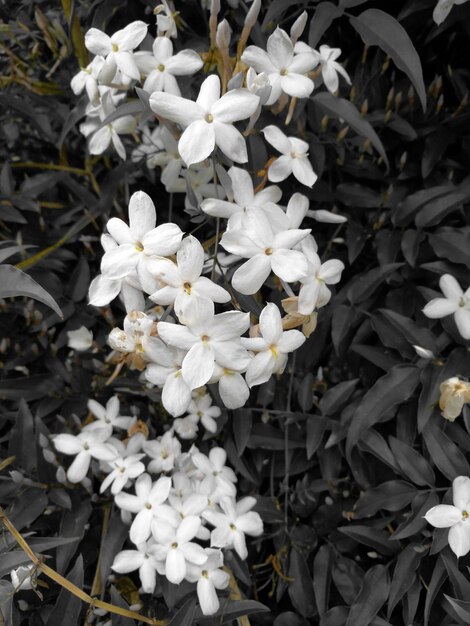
[161, 67]
[22, 577]
[117, 49]
[110, 414]
[456, 517]
[166, 23]
[213, 467]
[148, 504]
[233, 390]
[103, 137]
[266, 250]
[183, 281]
[123, 470]
[271, 348]
[233, 523]
[80, 339]
[314, 292]
[286, 70]
[140, 241]
[456, 302]
[165, 371]
[424, 353]
[103, 289]
[163, 452]
[86, 446]
[243, 196]
[330, 68]
[443, 8]
[141, 559]
[209, 577]
[208, 338]
[294, 159]
[201, 409]
[174, 546]
[208, 121]
[87, 79]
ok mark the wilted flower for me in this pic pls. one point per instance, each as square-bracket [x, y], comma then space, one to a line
[22, 577]
[456, 517]
[454, 394]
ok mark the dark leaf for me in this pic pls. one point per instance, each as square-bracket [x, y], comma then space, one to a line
[67, 606]
[371, 598]
[339, 108]
[413, 465]
[301, 586]
[14, 282]
[378, 28]
[404, 574]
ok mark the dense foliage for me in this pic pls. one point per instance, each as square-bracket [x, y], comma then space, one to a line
[347, 450]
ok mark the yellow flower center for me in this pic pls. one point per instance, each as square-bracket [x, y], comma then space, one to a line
[139, 247]
[174, 545]
[187, 288]
[268, 251]
[209, 118]
[114, 47]
[161, 67]
[464, 514]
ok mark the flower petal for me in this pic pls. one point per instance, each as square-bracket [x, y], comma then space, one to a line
[440, 307]
[142, 214]
[163, 240]
[459, 539]
[209, 92]
[198, 365]
[250, 277]
[230, 141]
[443, 516]
[120, 262]
[174, 108]
[235, 105]
[197, 142]
[277, 139]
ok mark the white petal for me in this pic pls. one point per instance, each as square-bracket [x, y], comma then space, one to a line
[175, 566]
[258, 58]
[174, 108]
[119, 231]
[250, 523]
[103, 290]
[289, 265]
[68, 444]
[197, 142]
[250, 277]
[140, 528]
[190, 259]
[443, 516]
[174, 335]
[163, 240]
[188, 528]
[450, 287]
[233, 390]
[148, 576]
[296, 85]
[79, 468]
[277, 139]
[280, 49]
[100, 141]
[235, 105]
[291, 340]
[462, 319]
[270, 323]
[207, 596]
[459, 539]
[176, 394]
[97, 42]
[280, 169]
[303, 171]
[230, 141]
[131, 36]
[198, 365]
[126, 63]
[331, 271]
[440, 307]
[120, 262]
[461, 492]
[260, 368]
[127, 561]
[184, 63]
[142, 214]
[209, 92]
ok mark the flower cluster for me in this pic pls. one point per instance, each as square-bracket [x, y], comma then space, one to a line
[187, 330]
[181, 506]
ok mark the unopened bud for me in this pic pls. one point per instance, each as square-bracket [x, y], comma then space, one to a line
[398, 100]
[222, 37]
[411, 96]
[385, 65]
[388, 116]
[365, 107]
[403, 159]
[440, 103]
[342, 133]
[298, 26]
[324, 122]
[252, 15]
[390, 96]
[424, 353]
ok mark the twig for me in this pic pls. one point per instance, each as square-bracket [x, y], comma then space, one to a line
[66, 584]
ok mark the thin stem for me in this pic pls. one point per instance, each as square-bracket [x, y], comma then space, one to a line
[286, 442]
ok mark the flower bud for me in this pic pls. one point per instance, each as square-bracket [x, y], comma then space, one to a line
[454, 394]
